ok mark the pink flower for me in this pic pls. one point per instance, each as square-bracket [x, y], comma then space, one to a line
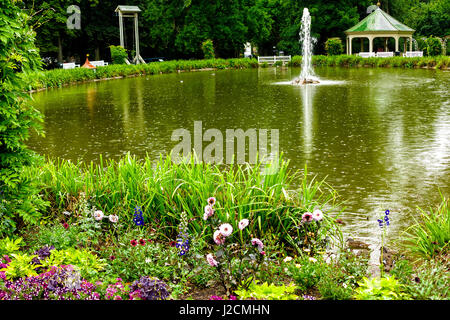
[209, 211]
[212, 201]
[117, 298]
[218, 237]
[212, 262]
[262, 252]
[317, 215]
[243, 223]
[226, 229]
[257, 242]
[307, 217]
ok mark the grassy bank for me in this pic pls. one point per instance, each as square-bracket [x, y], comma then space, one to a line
[439, 62]
[60, 77]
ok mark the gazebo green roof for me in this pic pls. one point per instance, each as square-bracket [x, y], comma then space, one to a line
[379, 21]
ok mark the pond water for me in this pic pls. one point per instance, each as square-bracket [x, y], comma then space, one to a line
[380, 136]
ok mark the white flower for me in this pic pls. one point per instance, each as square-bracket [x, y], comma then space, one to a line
[67, 213]
[243, 223]
[98, 215]
[312, 259]
[226, 229]
[148, 260]
[287, 259]
[317, 215]
[113, 218]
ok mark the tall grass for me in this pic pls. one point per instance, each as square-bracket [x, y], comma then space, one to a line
[274, 203]
[430, 235]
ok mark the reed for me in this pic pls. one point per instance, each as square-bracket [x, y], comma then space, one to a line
[429, 236]
[274, 202]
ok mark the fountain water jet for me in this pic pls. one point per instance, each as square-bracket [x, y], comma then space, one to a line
[307, 75]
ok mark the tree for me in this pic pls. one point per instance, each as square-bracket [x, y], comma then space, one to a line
[18, 54]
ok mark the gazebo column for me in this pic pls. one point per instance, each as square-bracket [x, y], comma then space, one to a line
[396, 43]
[350, 45]
[370, 43]
[410, 43]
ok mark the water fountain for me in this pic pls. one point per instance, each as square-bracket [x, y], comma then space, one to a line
[307, 75]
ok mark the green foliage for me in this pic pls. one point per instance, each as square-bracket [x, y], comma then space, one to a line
[86, 262]
[151, 259]
[18, 56]
[267, 291]
[388, 288]
[434, 46]
[208, 49]
[118, 54]
[430, 235]
[428, 281]
[334, 47]
[9, 246]
[21, 266]
[307, 273]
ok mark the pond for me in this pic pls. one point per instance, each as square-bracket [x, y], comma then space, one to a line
[380, 136]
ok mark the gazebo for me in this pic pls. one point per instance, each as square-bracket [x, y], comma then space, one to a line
[379, 24]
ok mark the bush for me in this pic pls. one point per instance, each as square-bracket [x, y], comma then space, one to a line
[118, 54]
[18, 55]
[208, 49]
[381, 289]
[434, 46]
[334, 47]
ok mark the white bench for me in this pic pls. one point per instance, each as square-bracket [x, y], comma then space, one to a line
[411, 54]
[274, 59]
[367, 54]
[70, 65]
[99, 63]
[385, 54]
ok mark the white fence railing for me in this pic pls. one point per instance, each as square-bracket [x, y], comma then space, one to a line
[367, 54]
[411, 54]
[274, 59]
[385, 54]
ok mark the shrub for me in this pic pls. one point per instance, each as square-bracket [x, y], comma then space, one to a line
[62, 283]
[434, 46]
[118, 54]
[267, 291]
[334, 46]
[18, 55]
[208, 49]
[388, 288]
[429, 281]
[149, 288]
